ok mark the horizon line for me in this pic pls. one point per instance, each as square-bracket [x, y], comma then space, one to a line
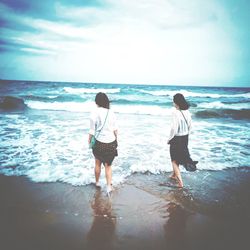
[119, 83]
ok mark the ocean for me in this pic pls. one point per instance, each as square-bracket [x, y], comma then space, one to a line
[44, 129]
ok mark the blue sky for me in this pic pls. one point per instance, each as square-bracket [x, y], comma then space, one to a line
[186, 42]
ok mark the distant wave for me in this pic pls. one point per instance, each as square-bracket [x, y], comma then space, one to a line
[214, 109]
[88, 106]
[224, 113]
[222, 105]
[89, 90]
[141, 102]
[192, 94]
[54, 98]
[10, 103]
[40, 98]
[237, 102]
[63, 106]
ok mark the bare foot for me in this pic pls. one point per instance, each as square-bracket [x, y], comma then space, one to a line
[173, 177]
[97, 184]
[180, 183]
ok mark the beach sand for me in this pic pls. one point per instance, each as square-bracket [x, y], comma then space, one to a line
[145, 212]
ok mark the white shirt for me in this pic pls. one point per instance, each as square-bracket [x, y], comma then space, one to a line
[179, 126]
[97, 120]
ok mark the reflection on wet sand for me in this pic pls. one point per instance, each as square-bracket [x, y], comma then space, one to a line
[101, 233]
[175, 227]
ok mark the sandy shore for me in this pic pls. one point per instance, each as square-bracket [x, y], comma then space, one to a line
[146, 212]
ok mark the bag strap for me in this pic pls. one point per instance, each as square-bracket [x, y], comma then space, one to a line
[185, 120]
[102, 126]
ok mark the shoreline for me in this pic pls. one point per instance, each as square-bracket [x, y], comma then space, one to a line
[145, 212]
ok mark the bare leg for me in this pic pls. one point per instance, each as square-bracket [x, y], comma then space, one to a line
[173, 176]
[97, 170]
[177, 173]
[108, 173]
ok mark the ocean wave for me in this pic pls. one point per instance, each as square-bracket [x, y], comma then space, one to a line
[89, 106]
[40, 98]
[237, 102]
[54, 98]
[187, 93]
[89, 90]
[136, 101]
[224, 113]
[10, 103]
[222, 105]
[62, 106]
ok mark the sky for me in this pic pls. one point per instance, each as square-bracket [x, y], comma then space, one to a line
[182, 42]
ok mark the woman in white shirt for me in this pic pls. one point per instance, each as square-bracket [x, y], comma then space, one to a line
[178, 137]
[103, 126]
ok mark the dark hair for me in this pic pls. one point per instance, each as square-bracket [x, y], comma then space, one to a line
[102, 100]
[180, 100]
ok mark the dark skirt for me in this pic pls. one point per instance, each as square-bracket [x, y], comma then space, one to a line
[179, 150]
[105, 152]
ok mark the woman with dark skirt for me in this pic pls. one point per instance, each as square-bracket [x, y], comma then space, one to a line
[103, 126]
[178, 138]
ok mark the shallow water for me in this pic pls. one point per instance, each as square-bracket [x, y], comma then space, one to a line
[47, 141]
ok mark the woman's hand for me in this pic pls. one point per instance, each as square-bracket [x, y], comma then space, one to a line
[89, 138]
[115, 133]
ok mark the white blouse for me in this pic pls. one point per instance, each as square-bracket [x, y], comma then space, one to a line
[179, 126]
[97, 119]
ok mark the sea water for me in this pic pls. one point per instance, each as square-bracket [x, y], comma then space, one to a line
[46, 139]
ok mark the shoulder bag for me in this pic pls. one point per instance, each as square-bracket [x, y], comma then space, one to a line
[94, 137]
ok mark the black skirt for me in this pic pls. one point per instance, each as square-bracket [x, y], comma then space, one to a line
[105, 152]
[179, 150]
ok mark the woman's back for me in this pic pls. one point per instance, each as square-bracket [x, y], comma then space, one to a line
[183, 121]
[104, 121]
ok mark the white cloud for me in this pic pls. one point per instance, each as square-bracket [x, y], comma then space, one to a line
[37, 51]
[150, 41]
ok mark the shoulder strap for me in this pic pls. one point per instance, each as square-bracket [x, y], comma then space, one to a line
[185, 120]
[102, 125]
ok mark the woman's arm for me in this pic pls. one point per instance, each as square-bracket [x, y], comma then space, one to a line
[89, 138]
[91, 127]
[116, 133]
[174, 126]
[190, 123]
[115, 126]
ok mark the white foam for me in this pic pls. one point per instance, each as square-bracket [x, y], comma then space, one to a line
[59, 151]
[89, 90]
[142, 110]
[88, 106]
[52, 96]
[220, 105]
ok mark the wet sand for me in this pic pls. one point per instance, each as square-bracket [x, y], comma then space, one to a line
[146, 212]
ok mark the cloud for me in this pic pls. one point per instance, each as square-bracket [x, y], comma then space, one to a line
[163, 14]
[45, 9]
[155, 38]
[35, 34]
[88, 22]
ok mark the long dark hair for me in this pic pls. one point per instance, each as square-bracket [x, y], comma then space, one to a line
[102, 100]
[180, 100]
